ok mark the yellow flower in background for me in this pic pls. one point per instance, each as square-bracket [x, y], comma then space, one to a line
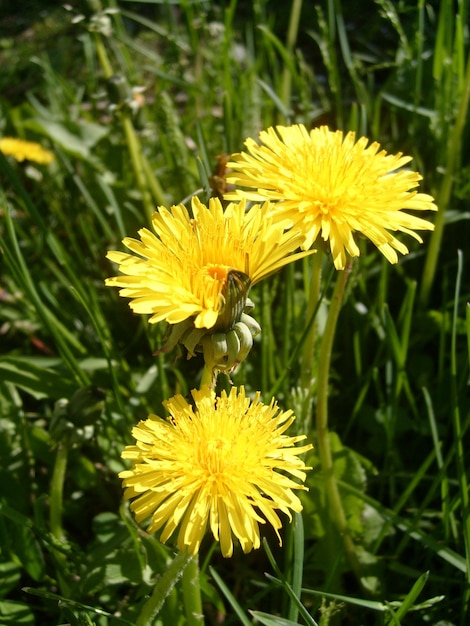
[331, 185]
[184, 269]
[218, 466]
[25, 150]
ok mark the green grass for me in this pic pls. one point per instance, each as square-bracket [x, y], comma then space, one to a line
[78, 369]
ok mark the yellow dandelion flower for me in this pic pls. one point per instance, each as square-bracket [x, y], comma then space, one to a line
[29, 150]
[184, 269]
[218, 466]
[331, 186]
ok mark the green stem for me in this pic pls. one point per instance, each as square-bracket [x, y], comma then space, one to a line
[103, 56]
[135, 151]
[162, 589]
[144, 176]
[55, 513]
[443, 197]
[57, 492]
[191, 576]
[192, 594]
[335, 504]
[308, 352]
[208, 377]
[153, 183]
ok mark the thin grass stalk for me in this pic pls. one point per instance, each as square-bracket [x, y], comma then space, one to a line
[468, 333]
[281, 579]
[232, 129]
[412, 529]
[335, 505]
[414, 522]
[292, 33]
[331, 61]
[295, 354]
[237, 609]
[162, 589]
[18, 265]
[419, 39]
[404, 499]
[408, 602]
[459, 444]
[89, 200]
[102, 331]
[361, 91]
[448, 517]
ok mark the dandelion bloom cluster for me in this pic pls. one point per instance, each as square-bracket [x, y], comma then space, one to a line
[29, 150]
[331, 185]
[217, 465]
[182, 270]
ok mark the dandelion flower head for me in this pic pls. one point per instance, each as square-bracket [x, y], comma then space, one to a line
[182, 270]
[332, 186]
[25, 150]
[215, 466]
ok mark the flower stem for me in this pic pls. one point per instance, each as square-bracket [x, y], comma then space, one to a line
[335, 505]
[103, 56]
[162, 589]
[135, 151]
[153, 183]
[146, 180]
[192, 593]
[207, 377]
[443, 197]
[308, 352]
[57, 491]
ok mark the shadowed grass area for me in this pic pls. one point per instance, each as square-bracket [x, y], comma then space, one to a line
[141, 104]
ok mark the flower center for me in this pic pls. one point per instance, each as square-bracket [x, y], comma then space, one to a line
[217, 272]
[216, 455]
[223, 290]
[213, 278]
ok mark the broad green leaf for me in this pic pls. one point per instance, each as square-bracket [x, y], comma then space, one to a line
[19, 541]
[39, 381]
[10, 574]
[76, 139]
[15, 614]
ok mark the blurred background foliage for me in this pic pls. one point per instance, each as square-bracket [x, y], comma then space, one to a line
[140, 103]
